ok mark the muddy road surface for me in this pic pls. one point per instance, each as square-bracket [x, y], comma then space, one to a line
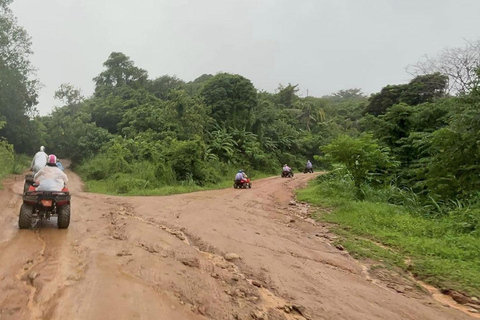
[224, 254]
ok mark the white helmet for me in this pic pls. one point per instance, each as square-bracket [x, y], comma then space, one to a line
[42, 148]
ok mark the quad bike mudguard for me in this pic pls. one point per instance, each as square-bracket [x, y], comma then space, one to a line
[46, 198]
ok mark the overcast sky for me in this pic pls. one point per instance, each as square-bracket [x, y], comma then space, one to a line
[322, 45]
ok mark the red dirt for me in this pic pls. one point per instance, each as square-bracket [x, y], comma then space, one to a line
[163, 258]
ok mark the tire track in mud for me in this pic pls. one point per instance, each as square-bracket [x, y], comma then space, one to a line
[268, 300]
[27, 277]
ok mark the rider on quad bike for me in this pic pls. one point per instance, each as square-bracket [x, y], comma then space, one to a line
[287, 172]
[50, 177]
[241, 180]
[308, 167]
[50, 197]
[38, 162]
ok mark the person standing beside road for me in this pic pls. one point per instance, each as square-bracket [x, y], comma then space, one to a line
[39, 160]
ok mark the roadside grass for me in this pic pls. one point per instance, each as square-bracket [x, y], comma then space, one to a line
[440, 253]
[15, 165]
[111, 188]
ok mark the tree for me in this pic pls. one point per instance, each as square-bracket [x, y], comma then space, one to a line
[120, 71]
[387, 97]
[425, 88]
[308, 113]
[453, 167]
[163, 85]
[232, 99]
[195, 86]
[354, 93]
[68, 94]
[18, 86]
[287, 95]
[458, 64]
[362, 157]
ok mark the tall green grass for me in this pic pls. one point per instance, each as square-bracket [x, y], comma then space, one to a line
[117, 187]
[12, 164]
[444, 249]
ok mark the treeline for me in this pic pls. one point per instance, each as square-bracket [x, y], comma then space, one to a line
[139, 132]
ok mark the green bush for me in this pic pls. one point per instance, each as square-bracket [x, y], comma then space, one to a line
[7, 158]
[363, 157]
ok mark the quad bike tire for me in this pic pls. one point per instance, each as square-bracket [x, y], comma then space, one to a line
[63, 220]
[250, 185]
[25, 216]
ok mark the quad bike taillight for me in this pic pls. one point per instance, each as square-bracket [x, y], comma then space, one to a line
[47, 203]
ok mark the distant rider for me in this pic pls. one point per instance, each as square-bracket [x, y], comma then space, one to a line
[309, 165]
[286, 168]
[50, 177]
[240, 175]
[39, 160]
[59, 165]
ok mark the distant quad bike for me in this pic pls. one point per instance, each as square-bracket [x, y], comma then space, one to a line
[306, 170]
[43, 205]
[28, 182]
[242, 184]
[287, 174]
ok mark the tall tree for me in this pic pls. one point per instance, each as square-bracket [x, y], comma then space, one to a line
[232, 99]
[425, 88]
[18, 86]
[287, 95]
[458, 64]
[119, 71]
[68, 94]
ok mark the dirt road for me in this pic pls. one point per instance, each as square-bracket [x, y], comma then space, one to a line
[164, 258]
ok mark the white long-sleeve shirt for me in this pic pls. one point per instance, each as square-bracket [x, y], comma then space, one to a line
[39, 161]
[50, 179]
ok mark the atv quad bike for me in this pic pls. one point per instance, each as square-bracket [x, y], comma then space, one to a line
[307, 170]
[242, 184]
[43, 205]
[287, 174]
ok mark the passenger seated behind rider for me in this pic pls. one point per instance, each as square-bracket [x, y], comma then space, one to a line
[286, 168]
[39, 160]
[240, 175]
[50, 177]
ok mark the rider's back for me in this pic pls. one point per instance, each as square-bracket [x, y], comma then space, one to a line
[50, 179]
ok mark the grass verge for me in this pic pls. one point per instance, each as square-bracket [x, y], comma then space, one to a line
[109, 187]
[15, 164]
[439, 250]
